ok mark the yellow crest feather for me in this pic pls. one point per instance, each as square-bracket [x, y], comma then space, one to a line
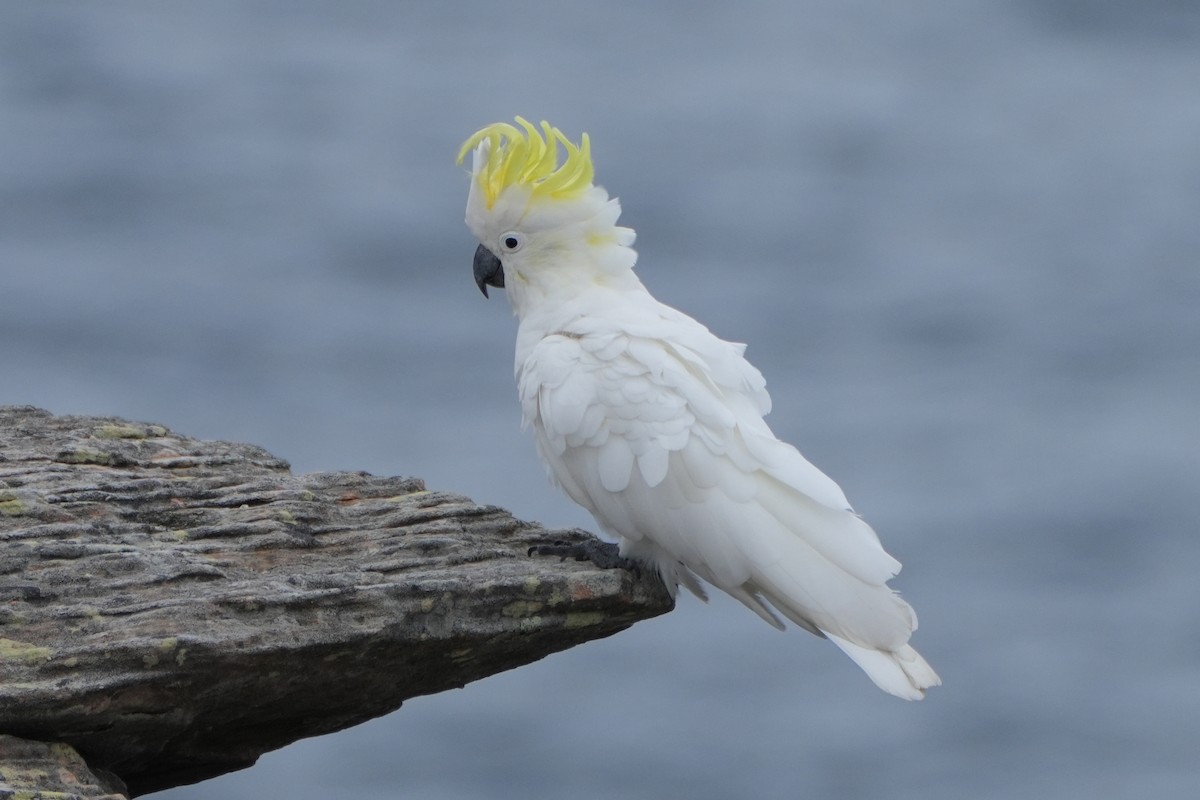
[525, 156]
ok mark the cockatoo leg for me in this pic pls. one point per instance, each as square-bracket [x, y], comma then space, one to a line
[604, 555]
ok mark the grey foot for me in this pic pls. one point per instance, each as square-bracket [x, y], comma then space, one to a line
[604, 555]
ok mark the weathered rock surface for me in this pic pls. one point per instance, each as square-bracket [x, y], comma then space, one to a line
[172, 609]
[41, 771]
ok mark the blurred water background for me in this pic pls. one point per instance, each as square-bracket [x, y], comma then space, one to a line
[961, 237]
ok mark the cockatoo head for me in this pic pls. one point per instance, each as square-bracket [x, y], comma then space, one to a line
[542, 226]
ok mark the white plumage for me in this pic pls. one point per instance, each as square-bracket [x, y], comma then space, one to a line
[655, 425]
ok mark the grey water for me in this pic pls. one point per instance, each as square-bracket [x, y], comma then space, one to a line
[962, 239]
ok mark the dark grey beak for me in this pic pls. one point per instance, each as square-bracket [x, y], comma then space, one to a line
[488, 271]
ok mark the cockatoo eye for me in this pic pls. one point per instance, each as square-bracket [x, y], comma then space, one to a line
[511, 242]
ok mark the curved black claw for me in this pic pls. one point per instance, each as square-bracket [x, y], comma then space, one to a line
[604, 555]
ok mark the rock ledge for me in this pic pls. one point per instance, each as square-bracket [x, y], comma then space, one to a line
[170, 609]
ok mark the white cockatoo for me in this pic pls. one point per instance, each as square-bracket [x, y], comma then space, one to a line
[655, 425]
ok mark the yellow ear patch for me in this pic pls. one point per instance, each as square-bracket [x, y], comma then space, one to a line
[525, 156]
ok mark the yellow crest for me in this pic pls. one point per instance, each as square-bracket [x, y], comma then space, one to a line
[525, 156]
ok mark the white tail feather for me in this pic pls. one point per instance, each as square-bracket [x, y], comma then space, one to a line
[901, 672]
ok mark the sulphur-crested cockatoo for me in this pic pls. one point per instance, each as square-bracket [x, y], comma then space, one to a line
[655, 425]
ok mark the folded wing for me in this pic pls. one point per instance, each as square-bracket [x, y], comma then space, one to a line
[664, 442]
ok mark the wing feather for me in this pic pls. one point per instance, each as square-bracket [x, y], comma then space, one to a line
[614, 462]
[665, 444]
